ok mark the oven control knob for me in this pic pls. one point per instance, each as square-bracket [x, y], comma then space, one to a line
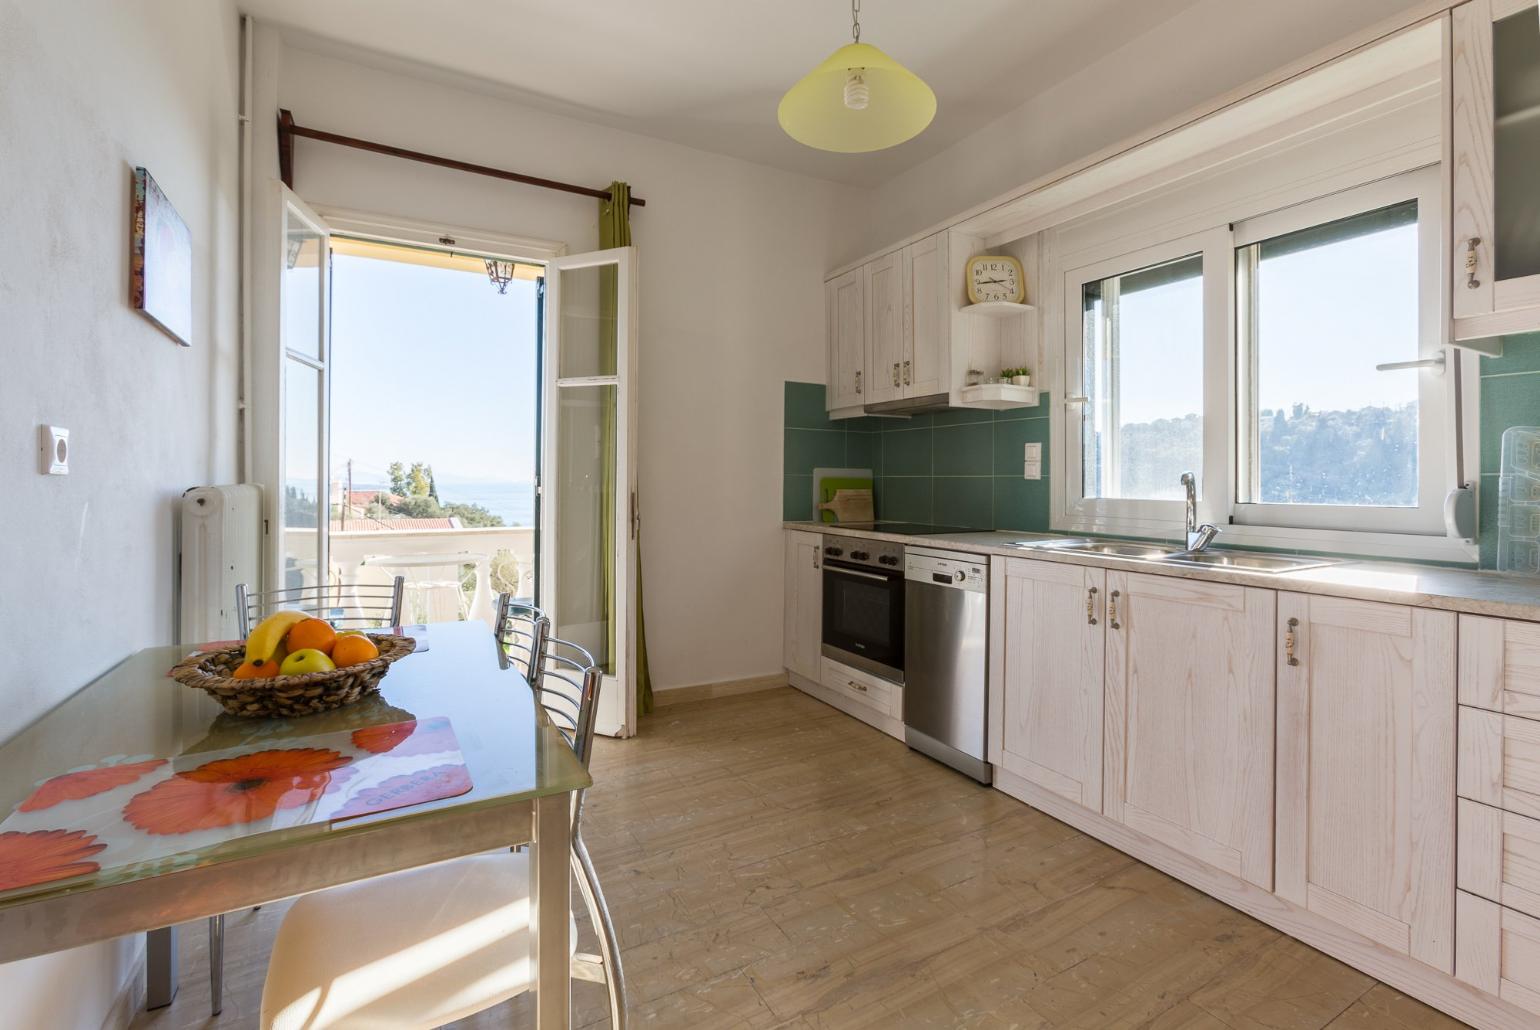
[833, 552]
[888, 559]
[859, 555]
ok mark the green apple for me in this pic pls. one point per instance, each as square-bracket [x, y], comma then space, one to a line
[306, 659]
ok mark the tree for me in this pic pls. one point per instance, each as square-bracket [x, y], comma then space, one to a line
[416, 497]
[397, 473]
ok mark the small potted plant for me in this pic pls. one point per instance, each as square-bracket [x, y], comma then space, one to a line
[1016, 376]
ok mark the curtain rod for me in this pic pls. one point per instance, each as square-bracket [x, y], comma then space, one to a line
[287, 130]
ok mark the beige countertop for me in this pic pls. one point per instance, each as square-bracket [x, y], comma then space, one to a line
[1501, 594]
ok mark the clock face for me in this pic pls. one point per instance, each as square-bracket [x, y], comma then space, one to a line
[995, 278]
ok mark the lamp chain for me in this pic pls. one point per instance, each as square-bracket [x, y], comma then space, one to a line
[855, 19]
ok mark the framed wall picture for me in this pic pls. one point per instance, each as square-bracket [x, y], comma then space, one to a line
[162, 261]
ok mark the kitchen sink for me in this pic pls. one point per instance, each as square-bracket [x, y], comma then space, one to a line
[1247, 561]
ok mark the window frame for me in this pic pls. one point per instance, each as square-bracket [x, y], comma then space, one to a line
[1436, 402]
[1142, 516]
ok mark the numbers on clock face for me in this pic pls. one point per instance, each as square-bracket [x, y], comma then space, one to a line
[995, 280]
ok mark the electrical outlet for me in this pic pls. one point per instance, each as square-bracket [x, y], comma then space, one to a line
[1032, 461]
[53, 450]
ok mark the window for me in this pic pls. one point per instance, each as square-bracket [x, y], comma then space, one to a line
[1328, 434]
[1292, 361]
[1141, 372]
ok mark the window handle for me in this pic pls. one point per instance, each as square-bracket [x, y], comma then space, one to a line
[1076, 399]
[1436, 363]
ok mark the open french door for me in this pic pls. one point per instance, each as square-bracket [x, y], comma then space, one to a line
[290, 395]
[588, 514]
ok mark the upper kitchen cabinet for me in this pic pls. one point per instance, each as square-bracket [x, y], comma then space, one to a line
[845, 314]
[909, 341]
[1496, 150]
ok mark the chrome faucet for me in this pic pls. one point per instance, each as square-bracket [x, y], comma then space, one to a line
[1198, 537]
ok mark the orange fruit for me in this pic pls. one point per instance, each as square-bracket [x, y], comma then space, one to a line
[255, 670]
[352, 648]
[314, 633]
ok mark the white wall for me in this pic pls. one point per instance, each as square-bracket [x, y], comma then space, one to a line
[1204, 51]
[88, 90]
[732, 258]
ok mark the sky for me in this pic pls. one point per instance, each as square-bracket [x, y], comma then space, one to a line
[431, 364]
[1328, 316]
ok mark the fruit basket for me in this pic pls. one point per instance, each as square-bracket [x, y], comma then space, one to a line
[305, 694]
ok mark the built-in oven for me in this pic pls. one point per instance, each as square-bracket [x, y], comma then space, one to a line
[863, 605]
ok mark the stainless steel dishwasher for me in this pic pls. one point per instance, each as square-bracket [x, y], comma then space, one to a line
[946, 645]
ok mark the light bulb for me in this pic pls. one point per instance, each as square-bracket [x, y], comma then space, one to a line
[857, 93]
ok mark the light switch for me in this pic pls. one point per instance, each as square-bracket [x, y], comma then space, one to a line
[1032, 465]
[53, 450]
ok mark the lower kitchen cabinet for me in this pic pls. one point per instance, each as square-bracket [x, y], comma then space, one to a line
[1051, 679]
[804, 604]
[1499, 951]
[1366, 792]
[1189, 718]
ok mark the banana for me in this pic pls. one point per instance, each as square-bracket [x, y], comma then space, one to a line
[267, 638]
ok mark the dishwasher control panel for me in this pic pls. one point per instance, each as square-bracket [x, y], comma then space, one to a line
[959, 571]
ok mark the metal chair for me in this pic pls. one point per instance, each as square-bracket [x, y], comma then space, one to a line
[329, 935]
[354, 606]
[521, 631]
[345, 605]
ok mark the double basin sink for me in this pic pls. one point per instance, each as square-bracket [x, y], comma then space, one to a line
[1247, 561]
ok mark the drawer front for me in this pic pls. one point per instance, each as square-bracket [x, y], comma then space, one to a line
[1499, 857]
[1497, 949]
[1500, 665]
[863, 688]
[1499, 761]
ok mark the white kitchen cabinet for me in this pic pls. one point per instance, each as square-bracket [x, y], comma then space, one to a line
[845, 314]
[1051, 676]
[927, 318]
[886, 300]
[1366, 731]
[1188, 757]
[804, 604]
[1495, 145]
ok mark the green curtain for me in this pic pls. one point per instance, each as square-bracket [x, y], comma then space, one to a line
[615, 231]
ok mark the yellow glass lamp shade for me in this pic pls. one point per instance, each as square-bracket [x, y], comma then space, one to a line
[858, 100]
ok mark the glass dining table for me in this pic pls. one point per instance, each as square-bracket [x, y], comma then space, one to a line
[136, 720]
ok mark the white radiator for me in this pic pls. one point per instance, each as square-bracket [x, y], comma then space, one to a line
[221, 546]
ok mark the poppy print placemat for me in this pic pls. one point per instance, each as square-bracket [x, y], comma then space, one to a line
[126, 811]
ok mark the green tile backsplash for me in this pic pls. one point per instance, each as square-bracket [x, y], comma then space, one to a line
[1510, 396]
[958, 468]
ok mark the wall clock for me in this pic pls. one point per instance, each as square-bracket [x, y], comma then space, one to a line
[996, 277]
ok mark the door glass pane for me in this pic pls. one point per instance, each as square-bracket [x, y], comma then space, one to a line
[1516, 103]
[301, 482]
[1142, 370]
[585, 524]
[302, 290]
[587, 322]
[1329, 303]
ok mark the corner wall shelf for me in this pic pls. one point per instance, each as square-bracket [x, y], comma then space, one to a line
[998, 308]
[998, 396]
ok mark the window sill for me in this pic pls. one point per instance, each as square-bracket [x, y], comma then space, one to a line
[1337, 543]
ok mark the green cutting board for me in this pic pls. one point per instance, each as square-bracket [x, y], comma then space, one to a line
[827, 488]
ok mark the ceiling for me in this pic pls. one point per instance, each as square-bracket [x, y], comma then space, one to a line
[709, 75]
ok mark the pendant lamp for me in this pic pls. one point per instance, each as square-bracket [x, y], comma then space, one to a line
[858, 100]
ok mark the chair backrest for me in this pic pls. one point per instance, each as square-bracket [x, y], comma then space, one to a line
[521, 630]
[346, 606]
[566, 684]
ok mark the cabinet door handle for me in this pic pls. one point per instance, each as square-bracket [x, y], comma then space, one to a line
[1112, 610]
[1471, 245]
[1289, 639]
[895, 373]
[858, 381]
[907, 377]
[858, 686]
[1090, 607]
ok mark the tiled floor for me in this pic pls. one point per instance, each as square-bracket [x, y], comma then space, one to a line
[771, 862]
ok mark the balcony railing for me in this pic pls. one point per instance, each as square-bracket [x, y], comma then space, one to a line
[434, 563]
